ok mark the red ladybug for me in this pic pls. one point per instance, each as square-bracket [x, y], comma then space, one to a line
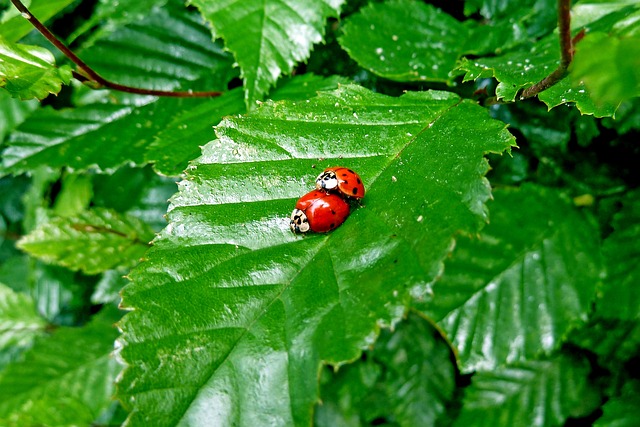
[341, 180]
[318, 211]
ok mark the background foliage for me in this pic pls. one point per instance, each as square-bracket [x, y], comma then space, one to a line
[489, 276]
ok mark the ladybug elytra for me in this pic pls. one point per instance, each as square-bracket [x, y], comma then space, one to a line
[341, 180]
[319, 212]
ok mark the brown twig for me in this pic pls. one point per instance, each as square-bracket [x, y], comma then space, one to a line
[566, 51]
[88, 75]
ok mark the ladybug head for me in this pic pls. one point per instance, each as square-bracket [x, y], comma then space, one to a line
[327, 180]
[299, 222]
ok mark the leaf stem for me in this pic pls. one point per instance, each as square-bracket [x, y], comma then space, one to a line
[87, 75]
[566, 51]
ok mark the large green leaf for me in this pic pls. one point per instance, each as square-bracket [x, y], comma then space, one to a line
[620, 299]
[64, 380]
[13, 112]
[19, 323]
[253, 309]
[92, 241]
[28, 72]
[380, 40]
[622, 411]
[408, 378]
[517, 290]
[534, 394]
[267, 37]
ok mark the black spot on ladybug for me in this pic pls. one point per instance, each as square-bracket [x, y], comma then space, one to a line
[351, 171]
[333, 212]
[333, 225]
[354, 191]
[345, 182]
[359, 182]
[344, 174]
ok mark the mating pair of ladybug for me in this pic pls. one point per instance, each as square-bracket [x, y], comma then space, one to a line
[325, 208]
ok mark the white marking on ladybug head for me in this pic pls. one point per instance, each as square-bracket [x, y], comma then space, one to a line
[327, 180]
[299, 222]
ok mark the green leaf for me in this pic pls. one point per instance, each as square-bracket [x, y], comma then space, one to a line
[100, 136]
[380, 40]
[20, 324]
[523, 285]
[408, 378]
[64, 380]
[75, 195]
[537, 393]
[255, 310]
[28, 72]
[92, 241]
[621, 249]
[14, 26]
[621, 56]
[108, 288]
[267, 37]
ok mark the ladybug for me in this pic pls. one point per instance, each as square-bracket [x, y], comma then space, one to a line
[341, 180]
[318, 211]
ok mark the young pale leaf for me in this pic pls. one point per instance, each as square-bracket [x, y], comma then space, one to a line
[253, 309]
[519, 69]
[619, 56]
[534, 394]
[267, 37]
[380, 40]
[407, 378]
[14, 26]
[64, 379]
[28, 72]
[620, 299]
[517, 290]
[92, 241]
[20, 324]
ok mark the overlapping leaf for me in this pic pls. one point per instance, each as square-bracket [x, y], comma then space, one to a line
[13, 112]
[620, 300]
[267, 37]
[233, 314]
[28, 72]
[92, 241]
[519, 69]
[516, 291]
[534, 394]
[406, 379]
[66, 379]
[107, 135]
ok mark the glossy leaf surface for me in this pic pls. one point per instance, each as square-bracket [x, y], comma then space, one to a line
[64, 380]
[380, 40]
[28, 72]
[534, 394]
[517, 290]
[407, 379]
[255, 310]
[267, 37]
[15, 26]
[92, 241]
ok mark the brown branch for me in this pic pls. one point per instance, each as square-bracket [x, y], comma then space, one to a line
[88, 75]
[566, 50]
